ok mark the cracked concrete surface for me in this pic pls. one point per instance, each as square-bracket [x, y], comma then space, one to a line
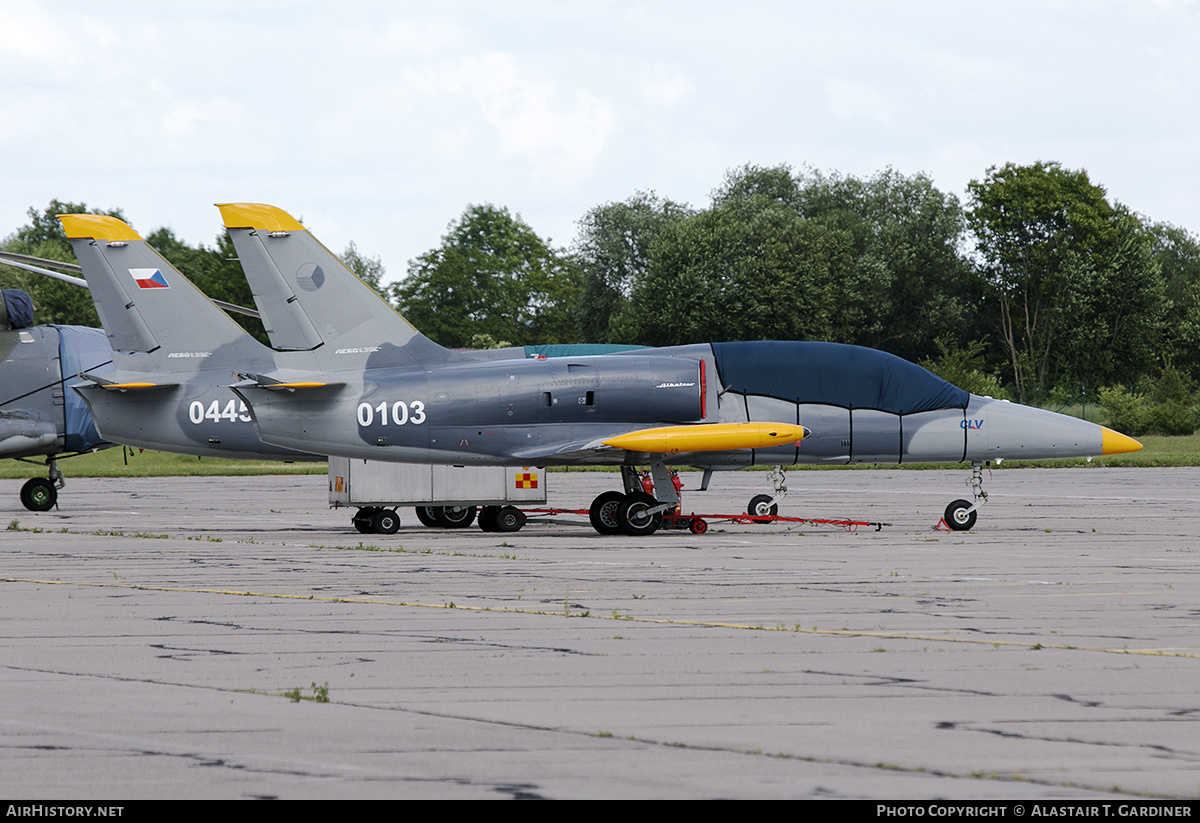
[1051, 652]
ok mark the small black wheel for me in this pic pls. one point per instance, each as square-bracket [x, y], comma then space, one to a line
[958, 518]
[428, 515]
[760, 508]
[634, 515]
[603, 513]
[509, 519]
[362, 519]
[39, 495]
[456, 517]
[487, 518]
[698, 526]
[385, 521]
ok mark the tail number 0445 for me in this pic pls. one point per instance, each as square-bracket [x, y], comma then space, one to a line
[232, 412]
[400, 413]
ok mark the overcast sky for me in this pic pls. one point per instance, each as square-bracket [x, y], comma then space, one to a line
[380, 122]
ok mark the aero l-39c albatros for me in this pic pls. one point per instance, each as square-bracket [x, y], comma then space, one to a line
[351, 378]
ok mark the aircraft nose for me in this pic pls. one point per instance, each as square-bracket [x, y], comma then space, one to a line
[1114, 442]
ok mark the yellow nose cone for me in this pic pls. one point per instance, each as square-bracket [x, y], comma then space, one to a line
[1117, 443]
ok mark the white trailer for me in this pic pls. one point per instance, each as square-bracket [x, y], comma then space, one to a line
[443, 496]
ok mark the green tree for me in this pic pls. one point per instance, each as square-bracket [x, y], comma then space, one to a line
[1072, 276]
[56, 301]
[613, 252]
[1177, 253]
[491, 275]
[370, 270]
[215, 271]
[748, 268]
[906, 238]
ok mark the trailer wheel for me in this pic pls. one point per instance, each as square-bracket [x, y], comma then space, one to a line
[698, 526]
[487, 518]
[385, 521]
[760, 508]
[456, 517]
[363, 518]
[509, 519]
[428, 516]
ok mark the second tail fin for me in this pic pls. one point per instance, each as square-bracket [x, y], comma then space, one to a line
[310, 301]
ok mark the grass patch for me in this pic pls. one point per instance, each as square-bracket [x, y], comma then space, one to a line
[134, 463]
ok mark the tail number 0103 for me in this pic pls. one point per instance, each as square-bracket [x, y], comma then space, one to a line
[400, 413]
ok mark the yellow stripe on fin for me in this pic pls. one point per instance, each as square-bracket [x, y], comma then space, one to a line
[97, 227]
[258, 216]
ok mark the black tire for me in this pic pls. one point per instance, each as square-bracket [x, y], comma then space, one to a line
[487, 518]
[39, 495]
[456, 517]
[759, 509]
[509, 519]
[385, 521]
[603, 513]
[362, 519]
[698, 526]
[634, 517]
[958, 518]
[428, 515]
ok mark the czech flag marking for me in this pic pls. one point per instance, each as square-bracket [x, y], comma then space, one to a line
[149, 279]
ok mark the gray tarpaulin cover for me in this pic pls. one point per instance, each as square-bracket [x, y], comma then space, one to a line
[81, 349]
[19, 306]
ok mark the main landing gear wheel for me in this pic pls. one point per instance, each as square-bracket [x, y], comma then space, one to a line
[39, 495]
[385, 521]
[455, 517]
[958, 518]
[603, 513]
[634, 517]
[760, 507]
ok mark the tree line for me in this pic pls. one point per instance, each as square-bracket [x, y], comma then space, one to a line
[1038, 287]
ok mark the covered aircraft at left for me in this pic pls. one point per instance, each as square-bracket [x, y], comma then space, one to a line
[40, 417]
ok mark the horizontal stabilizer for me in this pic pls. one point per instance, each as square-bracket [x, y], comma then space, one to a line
[714, 437]
[245, 380]
[95, 382]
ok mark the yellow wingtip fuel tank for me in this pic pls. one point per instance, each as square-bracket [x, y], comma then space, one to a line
[711, 437]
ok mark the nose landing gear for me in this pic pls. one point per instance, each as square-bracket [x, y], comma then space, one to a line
[960, 515]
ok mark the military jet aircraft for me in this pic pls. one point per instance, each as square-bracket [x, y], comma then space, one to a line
[357, 381]
[39, 416]
[383, 391]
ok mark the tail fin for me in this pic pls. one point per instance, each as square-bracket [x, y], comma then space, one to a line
[147, 306]
[309, 300]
